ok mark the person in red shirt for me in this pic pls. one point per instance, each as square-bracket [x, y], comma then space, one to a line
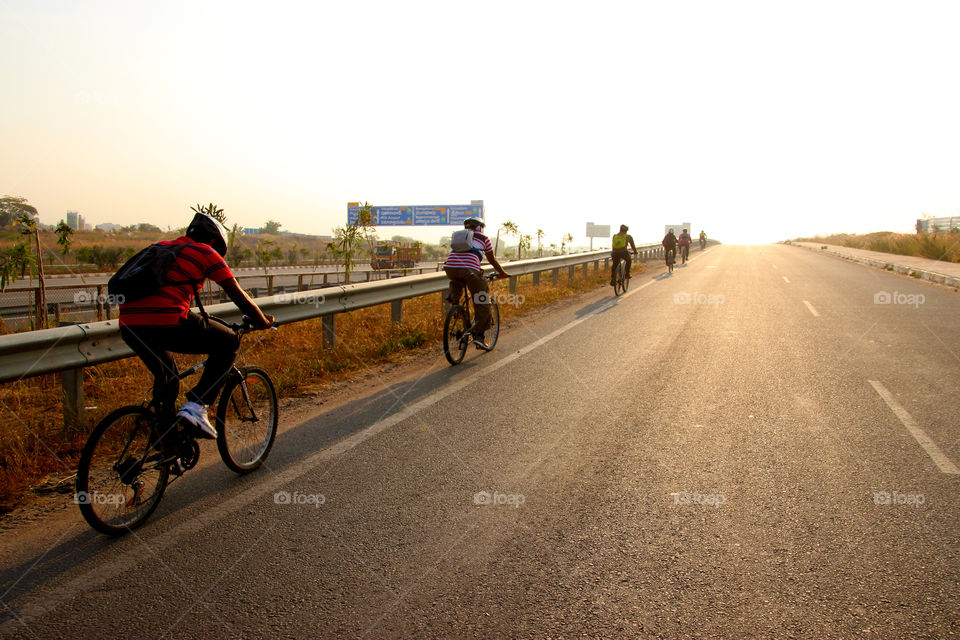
[158, 325]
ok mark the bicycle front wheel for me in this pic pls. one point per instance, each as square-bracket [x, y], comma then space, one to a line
[247, 419]
[455, 334]
[122, 472]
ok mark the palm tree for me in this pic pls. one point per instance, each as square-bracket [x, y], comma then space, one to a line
[509, 229]
[524, 243]
[565, 240]
[540, 234]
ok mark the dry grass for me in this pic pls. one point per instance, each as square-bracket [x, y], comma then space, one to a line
[34, 444]
[935, 246]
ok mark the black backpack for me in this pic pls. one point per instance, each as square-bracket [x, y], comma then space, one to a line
[144, 274]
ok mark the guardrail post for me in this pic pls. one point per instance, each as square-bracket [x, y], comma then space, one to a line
[536, 279]
[586, 269]
[99, 302]
[300, 282]
[571, 272]
[513, 284]
[329, 331]
[396, 311]
[269, 285]
[72, 382]
[556, 276]
[596, 267]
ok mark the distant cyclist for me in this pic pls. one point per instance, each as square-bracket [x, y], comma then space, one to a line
[620, 242]
[157, 325]
[463, 269]
[684, 241]
[703, 240]
[670, 246]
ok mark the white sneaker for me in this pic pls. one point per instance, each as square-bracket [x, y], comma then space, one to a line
[196, 415]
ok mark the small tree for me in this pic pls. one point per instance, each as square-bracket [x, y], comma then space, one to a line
[564, 241]
[14, 263]
[26, 218]
[64, 233]
[265, 254]
[540, 234]
[347, 239]
[271, 227]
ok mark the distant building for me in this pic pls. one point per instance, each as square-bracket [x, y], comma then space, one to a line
[75, 221]
[250, 231]
[107, 226]
[932, 225]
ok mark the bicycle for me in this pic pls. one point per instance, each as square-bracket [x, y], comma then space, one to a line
[671, 257]
[703, 244]
[457, 326]
[684, 252]
[620, 280]
[129, 457]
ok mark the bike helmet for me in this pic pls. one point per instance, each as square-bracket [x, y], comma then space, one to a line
[205, 228]
[624, 228]
[474, 222]
[671, 231]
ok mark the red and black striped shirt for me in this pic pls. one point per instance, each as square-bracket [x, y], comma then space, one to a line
[196, 262]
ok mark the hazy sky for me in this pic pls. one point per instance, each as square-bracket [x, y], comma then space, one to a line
[756, 121]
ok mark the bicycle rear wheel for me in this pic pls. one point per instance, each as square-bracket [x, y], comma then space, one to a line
[455, 334]
[122, 472]
[247, 418]
[620, 282]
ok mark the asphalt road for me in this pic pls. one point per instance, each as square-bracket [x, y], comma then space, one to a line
[755, 447]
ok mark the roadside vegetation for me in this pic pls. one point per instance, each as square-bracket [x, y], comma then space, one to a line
[37, 454]
[935, 246]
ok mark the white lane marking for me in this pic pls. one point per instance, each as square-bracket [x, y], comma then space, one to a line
[941, 460]
[785, 279]
[812, 310]
[34, 604]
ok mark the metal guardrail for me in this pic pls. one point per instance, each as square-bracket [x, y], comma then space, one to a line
[68, 349]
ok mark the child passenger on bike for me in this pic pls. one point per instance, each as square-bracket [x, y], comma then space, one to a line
[160, 324]
[463, 269]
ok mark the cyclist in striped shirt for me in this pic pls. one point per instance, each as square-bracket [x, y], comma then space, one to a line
[463, 269]
[161, 323]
